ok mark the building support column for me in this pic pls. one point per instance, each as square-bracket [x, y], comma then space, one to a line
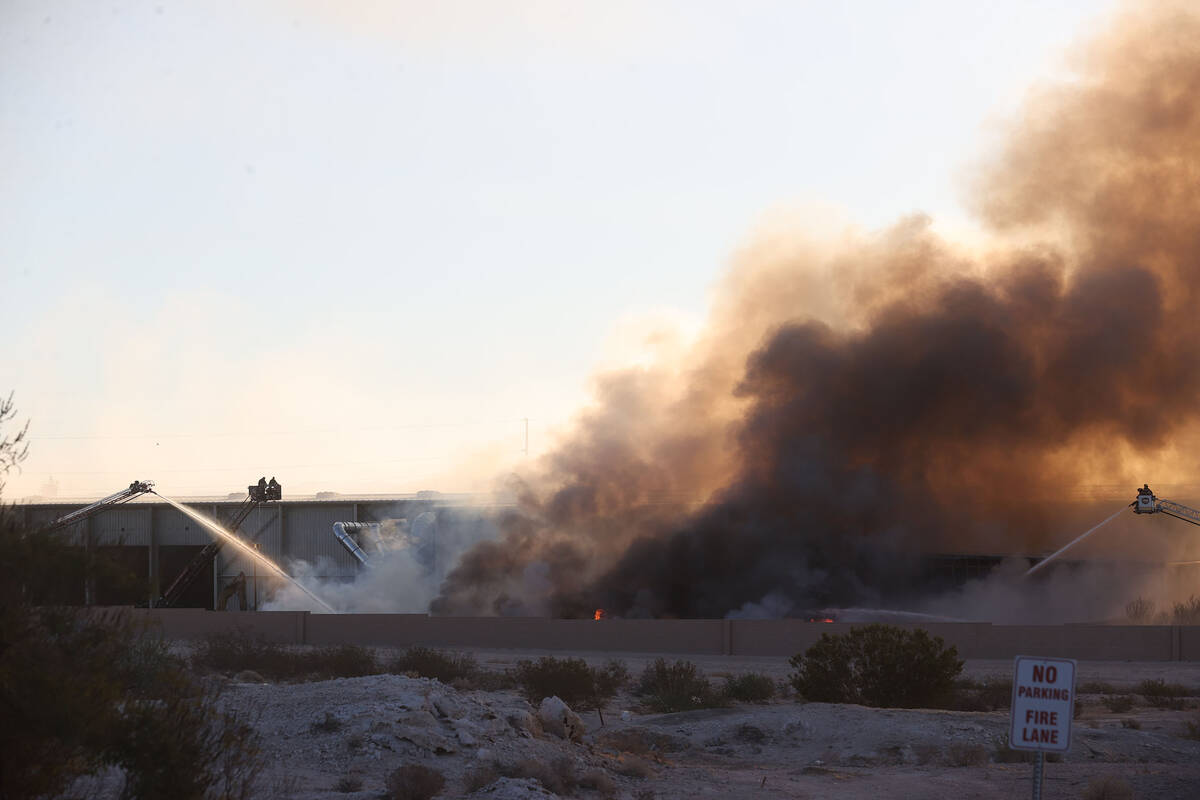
[89, 572]
[155, 589]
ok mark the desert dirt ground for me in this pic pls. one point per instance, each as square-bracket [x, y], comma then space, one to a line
[341, 738]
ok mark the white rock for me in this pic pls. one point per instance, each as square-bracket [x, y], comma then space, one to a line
[558, 718]
[515, 789]
[446, 706]
[525, 724]
[465, 735]
[429, 740]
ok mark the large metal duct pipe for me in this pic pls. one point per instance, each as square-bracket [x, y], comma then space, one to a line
[339, 530]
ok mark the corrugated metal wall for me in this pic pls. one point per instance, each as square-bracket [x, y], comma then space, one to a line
[123, 525]
[260, 527]
[308, 537]
[286, 532]
[172, 527]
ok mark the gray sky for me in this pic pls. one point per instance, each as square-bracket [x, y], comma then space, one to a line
[354, 244]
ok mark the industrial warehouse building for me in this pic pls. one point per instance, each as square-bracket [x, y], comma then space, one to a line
[142, 546]
[145, 543]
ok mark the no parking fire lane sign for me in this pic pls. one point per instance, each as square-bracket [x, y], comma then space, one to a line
[1043, 704]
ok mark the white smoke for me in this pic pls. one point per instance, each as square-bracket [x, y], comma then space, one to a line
[402, 576]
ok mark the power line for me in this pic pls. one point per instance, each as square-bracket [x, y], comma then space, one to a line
[298, 432]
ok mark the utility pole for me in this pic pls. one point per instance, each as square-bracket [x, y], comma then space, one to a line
[525, 449]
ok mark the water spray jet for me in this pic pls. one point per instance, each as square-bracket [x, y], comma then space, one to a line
[245, 548]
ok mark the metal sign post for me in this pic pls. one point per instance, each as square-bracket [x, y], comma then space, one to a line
[1043, 705]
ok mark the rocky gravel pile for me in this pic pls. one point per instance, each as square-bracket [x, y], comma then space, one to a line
[351, 732]
[342, 738]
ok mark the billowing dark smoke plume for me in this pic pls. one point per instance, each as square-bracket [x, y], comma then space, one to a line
[854, 406]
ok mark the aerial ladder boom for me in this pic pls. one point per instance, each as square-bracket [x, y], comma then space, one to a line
[262, 492]
[124, 496]
[1148, 503]
[1145, 503]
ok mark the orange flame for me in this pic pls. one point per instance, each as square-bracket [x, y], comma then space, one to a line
[599, 614]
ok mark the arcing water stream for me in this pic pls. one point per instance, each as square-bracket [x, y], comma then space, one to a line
[1073, 542]
[241, 545]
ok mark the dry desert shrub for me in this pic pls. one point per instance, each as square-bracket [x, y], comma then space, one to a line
[557, 776]
[1139, 611]
[680, 686]
[962, 754]
[1160, 688]
[1118, 704]
[571, 680]
[633, 767]
[1096, 687]
[232, 653]
[329, 724]
[1003, 754]
[1131, 723]
[494, 680]
[1187, 612]
[347, 784]
[414, 782]
[426, 662]
[750, 687]
[1161, 694]
[1109, 787]
[987, 695]
[1191, 729]
[640, 741]
[598, 781]
[480, 776]
[926, 753]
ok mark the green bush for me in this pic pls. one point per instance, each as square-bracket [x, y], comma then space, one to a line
[878, 665]
[430, 663]
[182, 745]
[83, 691]
[749, 687]
[676, 687]
[610, 679]
[571, 680]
